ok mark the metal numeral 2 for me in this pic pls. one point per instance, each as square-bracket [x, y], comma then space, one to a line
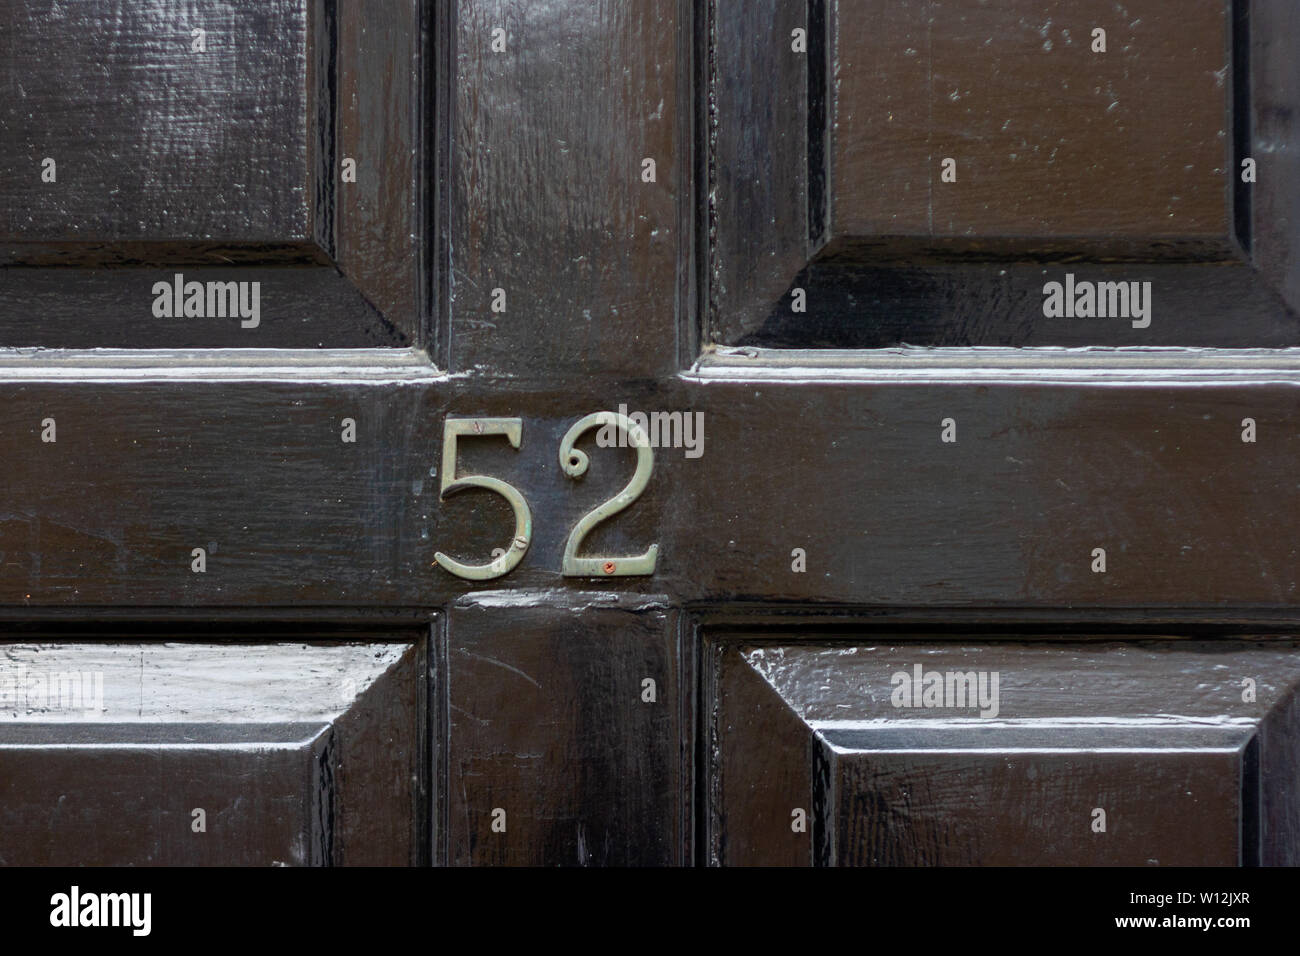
[575, 464]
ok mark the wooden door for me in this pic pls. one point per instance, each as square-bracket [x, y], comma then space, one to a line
[641, 432]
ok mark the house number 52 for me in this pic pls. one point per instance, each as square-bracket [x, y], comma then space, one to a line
[574, 463]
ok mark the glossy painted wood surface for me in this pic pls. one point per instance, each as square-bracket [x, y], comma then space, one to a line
[551, 724]
[757, 129]
[382, 105]
[547, 197]
[1051, 139]
[297, 754]
[856, 474]
[307, 305]
[878, 788]
[169, 159]
[154, 139]
[824, 507]
[1068, 161]
[1188, 768]
[868, 305]
[1274, 142]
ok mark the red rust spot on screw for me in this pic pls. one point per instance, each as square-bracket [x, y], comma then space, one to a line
[609, 567]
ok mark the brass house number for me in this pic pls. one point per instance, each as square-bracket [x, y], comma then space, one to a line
[575, 464]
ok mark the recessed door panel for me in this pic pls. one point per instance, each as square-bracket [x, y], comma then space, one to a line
[194, 753]
[1030, 173]
[995, 753]
[244, 175]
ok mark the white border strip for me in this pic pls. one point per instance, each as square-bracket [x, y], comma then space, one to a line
[965, 366]
[327, 366]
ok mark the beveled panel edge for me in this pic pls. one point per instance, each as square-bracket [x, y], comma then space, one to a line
[382, 366]
[1094, 366]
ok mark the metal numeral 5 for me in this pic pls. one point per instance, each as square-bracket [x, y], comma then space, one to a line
[513, 429]
[575, 464]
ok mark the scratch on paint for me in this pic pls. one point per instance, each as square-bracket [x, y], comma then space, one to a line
[493, 660]
[474, 717]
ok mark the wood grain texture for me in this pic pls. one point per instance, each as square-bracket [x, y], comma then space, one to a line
[757, 138]
[547, 722]
[320, 520]
[923, 799]
[303, 306]
[855, 473]
[381, 102]
[1273, 137]
[1050, 138]
[154, 140]
[528, 694]
[1157, 734]
[858, 304]
[547, 201]
[214, 161]
[1010, 513]
[755, 782]
[96, 799]
[1122, 166]
[299, 754]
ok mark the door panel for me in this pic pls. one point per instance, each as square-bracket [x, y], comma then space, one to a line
[566, 741]
[574, 207]
[1047, 466]
[566, 258]
[254, 473]
[142, 142]
[924, 798]
[1074, 146]
[220, 754]
[959, 157]
[1051, 753]
[175, 104]
[129, 816]
[855, 473]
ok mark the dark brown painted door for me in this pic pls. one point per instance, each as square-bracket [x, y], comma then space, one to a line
[644, 432]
